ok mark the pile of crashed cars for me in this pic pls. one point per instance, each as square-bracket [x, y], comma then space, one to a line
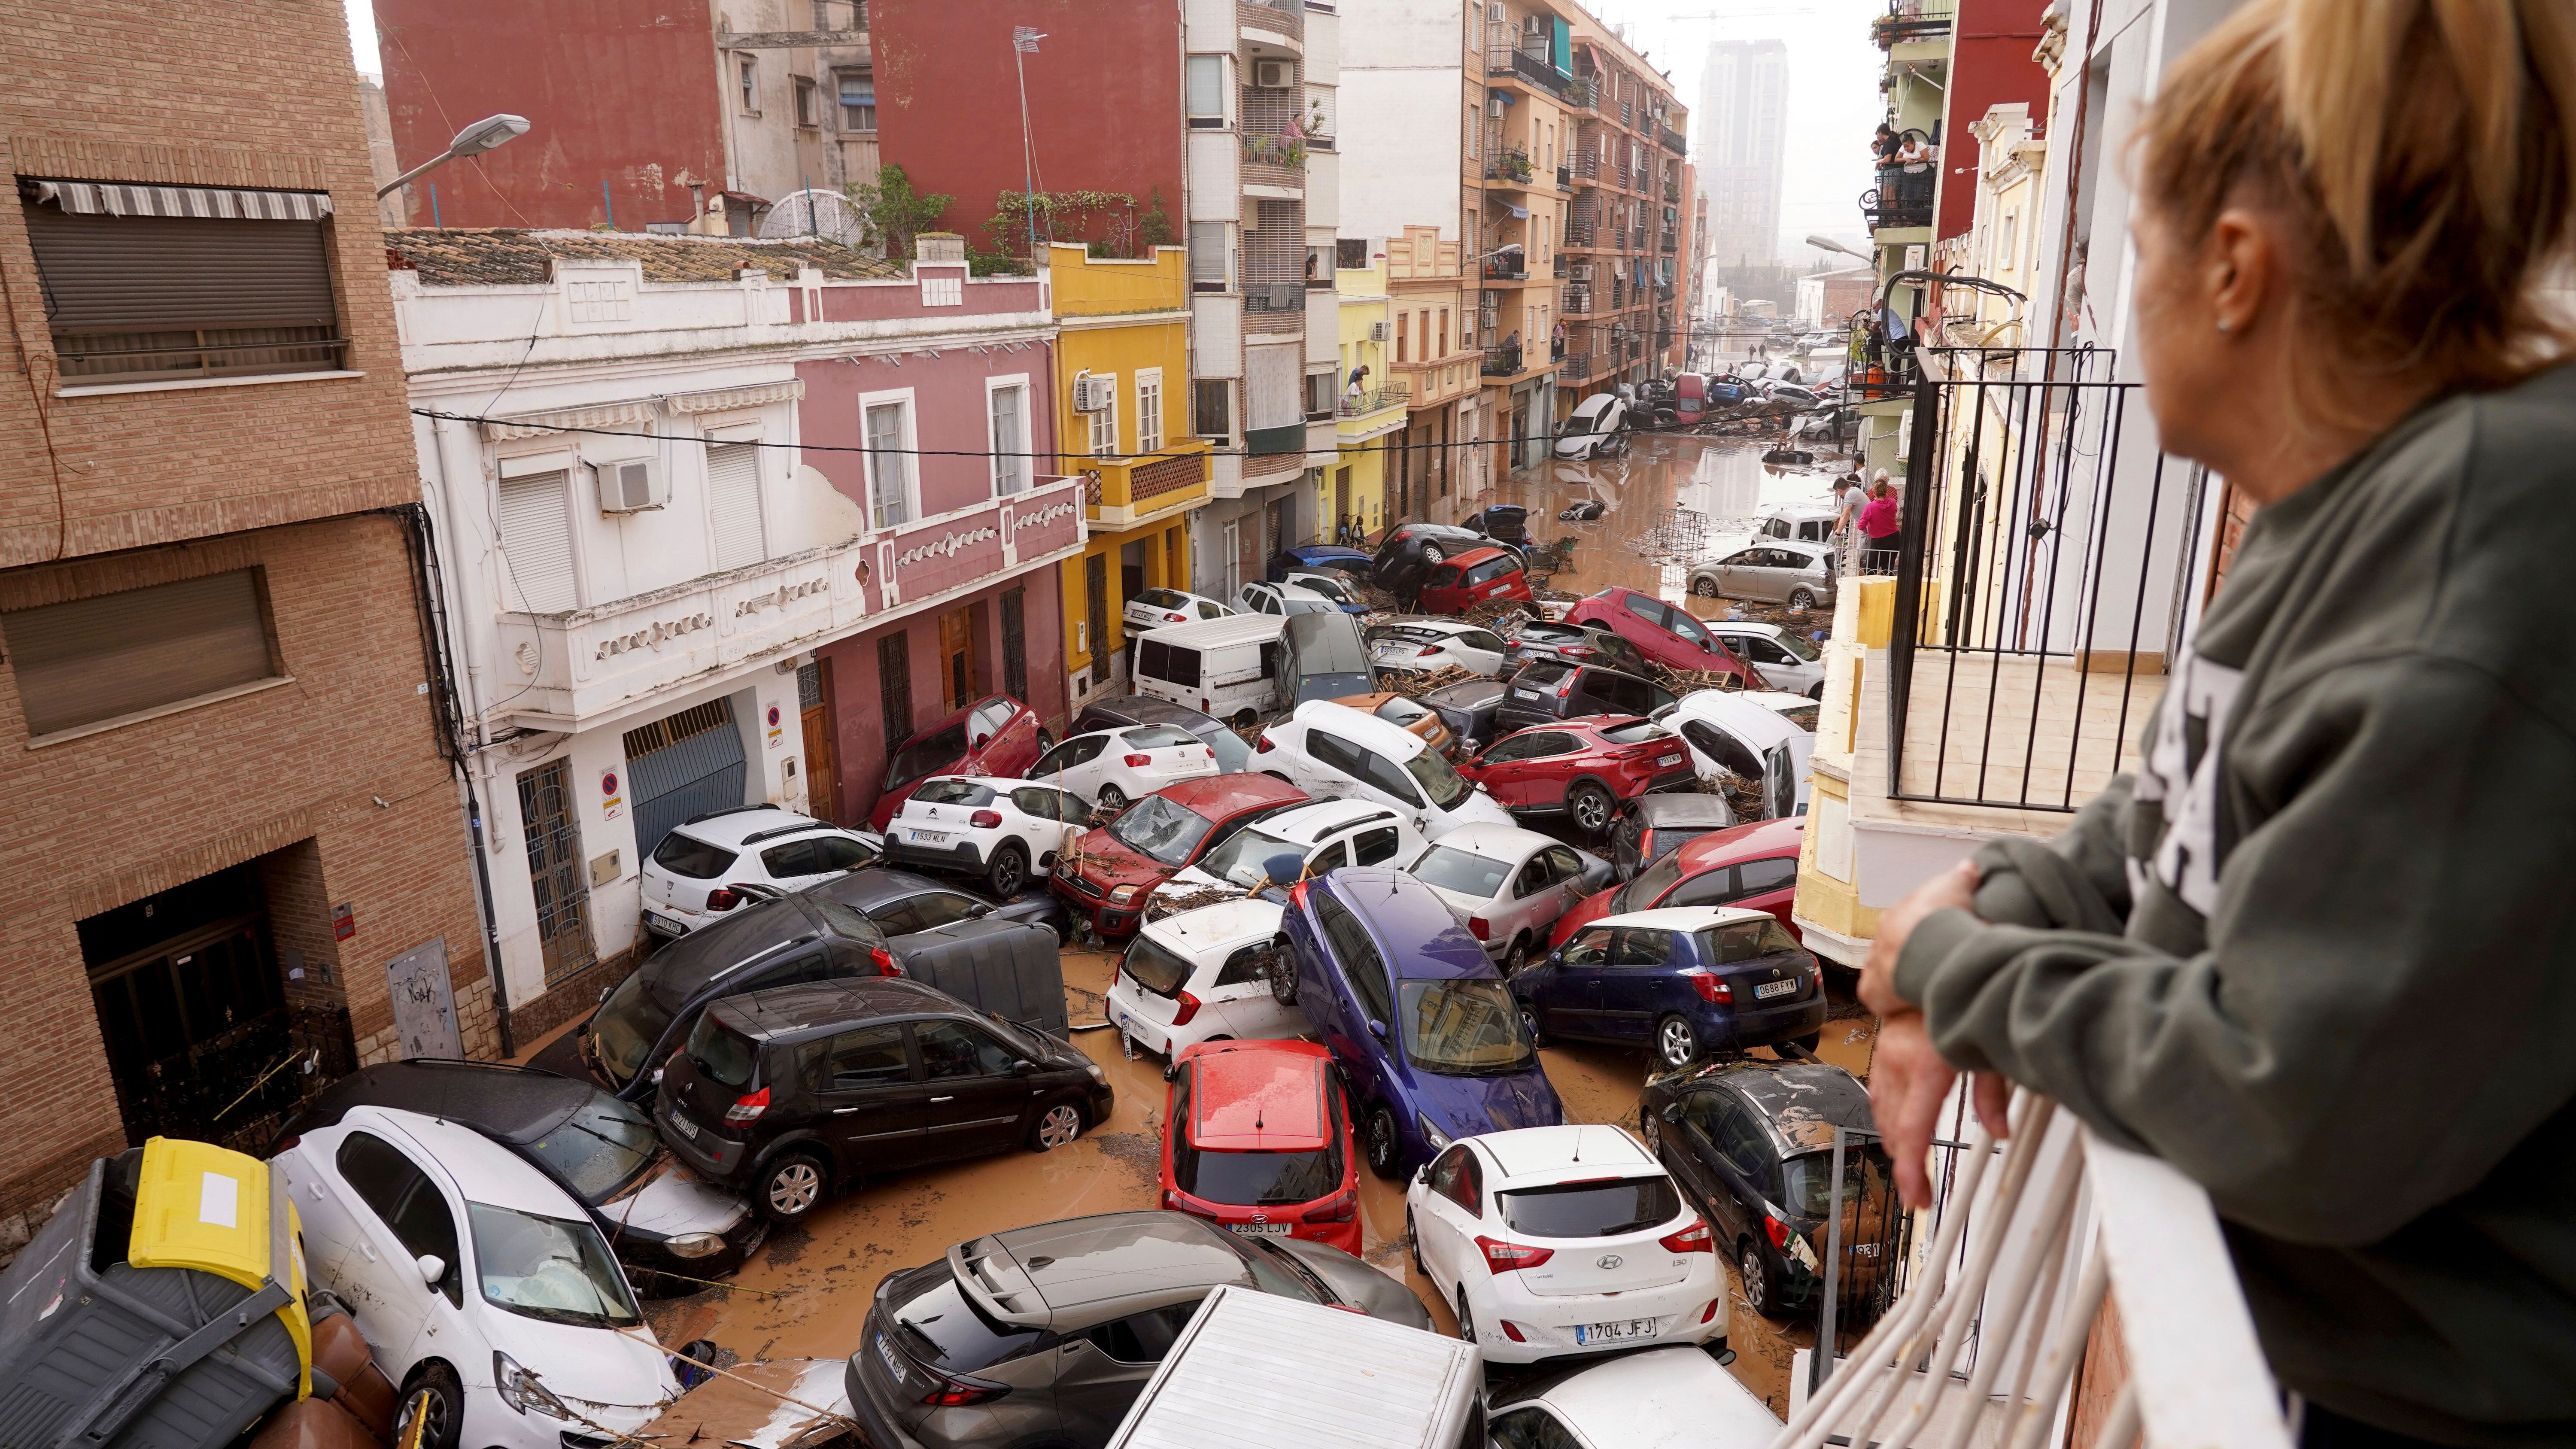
[1754, 399]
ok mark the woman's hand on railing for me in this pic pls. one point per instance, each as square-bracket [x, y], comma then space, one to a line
[1909, 1080]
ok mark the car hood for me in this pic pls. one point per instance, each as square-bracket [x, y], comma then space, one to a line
[1108, 862]
[673, 1202]
[1359, 1285]
[619, 1377]
[1479, 808]
[1468, 1106]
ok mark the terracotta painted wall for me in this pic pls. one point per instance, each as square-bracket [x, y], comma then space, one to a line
[948, 415]
[1104, 93]
[617, 90]
[1990, 65]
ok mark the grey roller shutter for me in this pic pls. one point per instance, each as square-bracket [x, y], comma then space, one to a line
[117, 654]
[105, 273]
[733, 503]
[536, 546]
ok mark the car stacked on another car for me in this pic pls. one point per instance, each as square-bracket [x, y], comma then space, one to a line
[695, 874]
[1335, 752]
[1477, 577]
[1405, 711]
[902, 904]
[1530, 639]
[1154, 608]
[1202, 975]
[1308, 839]
[1112, 767]
[1653, 826]
[1469, 709]
[1547, 691]
[1351, 563]
[1679, 980]
[1508, 886]
[1120, 710]
[999, 830]
[1106, 874]
[996, 736]
[1257, 1139]
[1755, 866]
[1729, 734]
[1664, 634]
[1429, 644]
[1263, 597]
[1581, 770]
[1787, 659]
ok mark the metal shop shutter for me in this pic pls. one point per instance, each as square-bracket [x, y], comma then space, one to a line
[165, 273]
[682, 765]
[93, 659]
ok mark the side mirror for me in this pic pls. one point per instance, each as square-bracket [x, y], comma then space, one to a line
[982, 740]
[1422, 1173]
[432, 1268]
[1556, 957]
[1024, 1068]
[1672, 1112]
[1377, 1028]
[978, 910]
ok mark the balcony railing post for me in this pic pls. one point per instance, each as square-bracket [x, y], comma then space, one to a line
[1913, 525]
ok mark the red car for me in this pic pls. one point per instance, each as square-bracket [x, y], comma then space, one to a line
[1664, 634]
[1752, 865]
[1106, 874]
[1582, 769]
[1478, 576]
[998, 736]
[1256, 1139]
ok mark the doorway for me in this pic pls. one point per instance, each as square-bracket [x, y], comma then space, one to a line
[1233, 535]
[822, 753]
[555, 875]
[680, 765]
[193, 1012]
[1343, 526]
[957, 658]
[1095, 592]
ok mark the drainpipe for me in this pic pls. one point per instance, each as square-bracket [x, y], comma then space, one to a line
[469, 708]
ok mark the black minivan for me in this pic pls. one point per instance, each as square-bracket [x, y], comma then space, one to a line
[790, 1093]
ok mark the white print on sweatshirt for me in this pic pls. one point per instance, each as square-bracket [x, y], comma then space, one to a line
[2180, 774]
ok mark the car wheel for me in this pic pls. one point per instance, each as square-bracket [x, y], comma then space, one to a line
[1676, 1042]
[1802, 599]
[1529, 1023]
[1283, 979]
[1705, 588]
[1810, 1041]
[1590, 807]
[1413, 1244]
[1517, 959]
[1384, 1155]
[1246, 717]
[1112, 798]
[1816, 691]
[435, 1395]
[1466, 1320]
[1046, 741]
[792, 1187]
[1056, 1127]
[1008, 872]
[1431, 554]
[1760, 1293]
[1651, 1128]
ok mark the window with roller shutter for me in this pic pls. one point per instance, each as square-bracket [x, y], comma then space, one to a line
[536, 546]
[1274, 415]
[88, 661]
[733, 504]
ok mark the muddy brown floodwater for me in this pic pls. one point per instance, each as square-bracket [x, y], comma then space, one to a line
[807, 1290]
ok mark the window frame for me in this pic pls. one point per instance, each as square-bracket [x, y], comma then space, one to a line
[747, 82]
[1210, 270]
[273, 670]
[841, 80]
[902, 400]
[1150, 435]
[809, 103]
[1198, 407]
[1025, 452]
[1100, 437]
[1199, 120]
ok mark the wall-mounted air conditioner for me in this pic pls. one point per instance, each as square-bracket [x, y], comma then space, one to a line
[1377, 332]
[1273, 75]
[631, 487]
[1494, 105]
[1494, 12]
[1094, 394]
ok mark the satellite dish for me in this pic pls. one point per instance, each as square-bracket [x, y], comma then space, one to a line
[817, 213]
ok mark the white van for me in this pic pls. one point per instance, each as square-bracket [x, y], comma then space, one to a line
[1254, 1371]
[1226, 667]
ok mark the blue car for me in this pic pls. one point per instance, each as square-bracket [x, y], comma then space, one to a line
[1328, 557]
[1682, 981]
[1426, 1035]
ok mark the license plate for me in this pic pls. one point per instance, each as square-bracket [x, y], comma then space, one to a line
[1668, 760]
[892, 1360]
[663, 925]
[1260, 1230]
[1614, 1332]
[687, 1128]
[929, 837]
[1524, 694]
[1775, 988]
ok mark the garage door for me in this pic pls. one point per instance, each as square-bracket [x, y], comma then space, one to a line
[682, 765]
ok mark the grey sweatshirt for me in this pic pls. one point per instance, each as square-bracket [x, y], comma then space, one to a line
[2319, 951]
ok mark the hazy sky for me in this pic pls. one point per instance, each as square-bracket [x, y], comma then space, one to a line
[1833, 89]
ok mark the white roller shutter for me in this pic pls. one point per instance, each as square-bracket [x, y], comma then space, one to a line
[536, 546]
[1272, 376]
[733, 503]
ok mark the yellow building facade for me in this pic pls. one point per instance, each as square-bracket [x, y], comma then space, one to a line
[1369, 414]
[1122, 398]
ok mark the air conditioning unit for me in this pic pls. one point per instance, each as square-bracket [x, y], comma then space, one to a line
[1378, 331]
[1273, 75]
[1534, 25]
[631, 487]
[1494, 14]
[1486, 316]
[1094, 394]
[1494, 105]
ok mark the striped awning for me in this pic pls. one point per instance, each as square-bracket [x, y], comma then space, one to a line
[209, 203]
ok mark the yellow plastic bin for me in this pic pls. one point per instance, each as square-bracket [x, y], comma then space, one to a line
[161, 1308]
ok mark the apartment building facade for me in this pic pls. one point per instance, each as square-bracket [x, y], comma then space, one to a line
[1743, 136]
[1369, 416]
[210, 550]
[1624, 230]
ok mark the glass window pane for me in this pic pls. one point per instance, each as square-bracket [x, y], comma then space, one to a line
[1207, 251]
[950, 1050]
[889, 468]
[1010, 470]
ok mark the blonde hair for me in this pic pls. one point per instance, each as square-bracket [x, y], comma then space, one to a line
[2422, 149]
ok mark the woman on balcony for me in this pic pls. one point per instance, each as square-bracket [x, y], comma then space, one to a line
[2319, 950]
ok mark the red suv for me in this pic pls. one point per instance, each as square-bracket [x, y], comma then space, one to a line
[1107, 874]
[1256, 1139]
[1478, 576]
[1662, 633]
[1745, 865]
[999, 736]
[1581, 769]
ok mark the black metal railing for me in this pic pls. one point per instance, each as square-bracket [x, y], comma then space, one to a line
[1583, 93]
[1578, 233]
[2043, 567]
[1565, 178]
[1914, 20]
[1509, 164]
[1502, 361]
[1574, 367]
[1671, 140]
[1509, 267]
[1577, 302]
[1667, 241]
[1273, 296]
[1506, 60]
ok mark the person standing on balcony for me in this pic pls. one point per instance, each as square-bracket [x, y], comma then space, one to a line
[2318, 951]
[1879, 523]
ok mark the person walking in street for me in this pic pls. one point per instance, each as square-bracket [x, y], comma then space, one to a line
[2318, 949]
[1878, 525]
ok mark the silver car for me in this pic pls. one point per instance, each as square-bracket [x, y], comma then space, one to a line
[1775, 571]
[1046, 1334]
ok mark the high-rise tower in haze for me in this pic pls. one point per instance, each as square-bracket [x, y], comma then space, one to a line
[1743, 121]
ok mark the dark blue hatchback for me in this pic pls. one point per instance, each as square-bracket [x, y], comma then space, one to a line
[1331, 557]
[1681, 981]
[1421, 1025]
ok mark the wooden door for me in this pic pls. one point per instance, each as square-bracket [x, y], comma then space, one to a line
[1095, 599]
[822, 759]
[957, 657]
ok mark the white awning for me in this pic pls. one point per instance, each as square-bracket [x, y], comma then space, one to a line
[211, 203]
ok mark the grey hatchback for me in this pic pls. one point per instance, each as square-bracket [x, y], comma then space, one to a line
[1045, 1335]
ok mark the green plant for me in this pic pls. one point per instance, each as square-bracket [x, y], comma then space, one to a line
[1061, 215]
[896, 211]
[1157, 229]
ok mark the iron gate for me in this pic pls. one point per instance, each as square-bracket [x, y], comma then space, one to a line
[554, 871]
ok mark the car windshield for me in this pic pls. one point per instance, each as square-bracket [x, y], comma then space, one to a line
[688, 856]
[954, 792]
[926, 756]
[1798, 646]
[1650, 884]
[1157, 967]
[1156, 827]
[1590, 1209]
[601, 1148]
[1438, 778]
[1245, 860]
[1811, 1178]
[1329, 588]
[552, 1269]
[1463, 1028]
[1469, 874]
[628, 1024]
[844, 918]
[721, 1054]
[1332, 686]
[1255, 1179]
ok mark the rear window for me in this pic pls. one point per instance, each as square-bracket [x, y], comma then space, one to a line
[1158, 660]
[926, 757]
[1541, 674]
[721, 1054]
[1156, 967]
[954, 792]
[945, 1329]
[1255, 1179]
[1161, 599]
[1452, 869]
[1747, 940]
[1492, 569]
[1633, 734]
[1603, 1209]
[1159, 737]
[685, 856]
[1443, 576]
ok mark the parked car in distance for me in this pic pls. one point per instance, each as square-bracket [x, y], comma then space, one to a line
[1405, 711]
[486, 1285]
[1664, 634]
[1337, 587]
[595, 1147]
[1549, 691]
[1731, 735]
[1429, 644]
[1428, 1040]
[1652, 826]
[1227, 668]
[1501, 522]
[1112, 767]
[997, 830]
[902, 903]
[1107, 873]
[1263, 597]
[1800, 575]
[1595, 421]
[1531, 639]
[1321, 657]
[997, 736]
[1690, 399]
[1478, 576]
[1335, 752]
[1044, 1334]
[1201, 975]
[1751, 1140]
[1679, 980]
[1468, 708]
[1257, 1140]
[1508, 886]
[692, 877]
[1581, 770]
[1351, 563]
[1554, 1241]
[793, 1093]
[1754, 866]
[1788, 661]
[1669, 1398]
[1799, 522]
[1154, 608]
[1308, 839]
[1109, 712]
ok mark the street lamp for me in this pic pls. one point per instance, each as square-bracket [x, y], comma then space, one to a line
[488, 134]
[1828, 244]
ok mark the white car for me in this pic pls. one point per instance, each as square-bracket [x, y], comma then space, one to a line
[1334, 752]
[1664, 1398]
[1428, 644]
[1263, 597]
[1155, 608]
[688, 881]
[1323, 836]
[1334, 586]
[1201, 976]
[1508, 885]
[1784, 657]
[1593, 427]
[1002, 830]
[474, 1277]
[1112, 767]
[1730, 734]
[1561, 1240]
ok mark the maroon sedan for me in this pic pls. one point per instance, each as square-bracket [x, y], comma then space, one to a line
[1752, 865]
[998, 736]
[1662, 633]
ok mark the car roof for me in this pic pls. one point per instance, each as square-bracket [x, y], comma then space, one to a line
[1757, 840]
[1474, 556]
[1148, 709]
[1327, 641]
[1684, 918]
[1744, 626]
[1594, 404]
[789, 1010]
[1146, 1258]
[1496, 842]
[1555, 1154]
[1424, 941]
[1216, 633]
[1646, 1397]
[871, 886]
[1802, 512]
[733, 829]
[1218, 796]
[1803, 1101]
[1759, 725]
[1290, 591]
[517, 1103]
[1310, 552]
[1219, 927]
[483, 1170]
[1306, 824]
[1466, 693]
[1260, 1096]
[1682, 807]
[1384, 736]
[759, 932]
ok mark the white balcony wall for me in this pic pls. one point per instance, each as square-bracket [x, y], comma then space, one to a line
[1216, 176]
[1208, 25]
[1324, 192]
[1323, 322]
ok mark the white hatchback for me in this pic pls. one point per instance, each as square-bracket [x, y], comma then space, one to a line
[1508, 885]
[1154, 608]
[1203, 975]
[1262, 597]
[688, 881]
[1784, 657]
[1334, 752]
[1002, 830]
[1112, 767]
[1326, 835]
[476, 1279]
[1664, 1398]
[1549, 1241]
[1728, 734]
[1428, 644]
